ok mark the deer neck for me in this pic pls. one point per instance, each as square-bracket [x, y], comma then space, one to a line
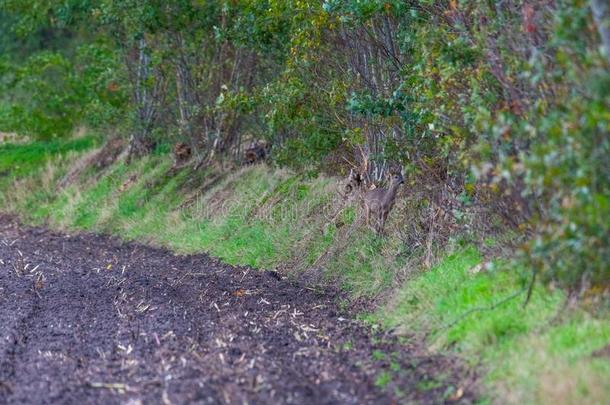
[391, 193]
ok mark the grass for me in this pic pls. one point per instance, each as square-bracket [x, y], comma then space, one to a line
[383, 379]
[530, 353]
[274, 219]
[23, 159]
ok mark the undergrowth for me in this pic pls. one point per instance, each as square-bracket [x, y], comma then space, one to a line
[274, 219]
[540, 353]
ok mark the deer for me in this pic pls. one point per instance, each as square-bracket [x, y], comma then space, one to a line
[380, 201]
[257, 152]
[353, 183]
[182, 153]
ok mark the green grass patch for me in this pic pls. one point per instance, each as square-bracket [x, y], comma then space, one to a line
[383, 379]
[477, 310]
[22, 159]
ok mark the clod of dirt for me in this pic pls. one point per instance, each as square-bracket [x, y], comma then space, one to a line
[603, 352]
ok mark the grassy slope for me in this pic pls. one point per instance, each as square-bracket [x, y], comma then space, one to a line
[275, 219]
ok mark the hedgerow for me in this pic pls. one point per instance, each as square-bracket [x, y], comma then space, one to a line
[502, 105]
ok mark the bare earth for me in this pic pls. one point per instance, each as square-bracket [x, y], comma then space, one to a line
[90, 319]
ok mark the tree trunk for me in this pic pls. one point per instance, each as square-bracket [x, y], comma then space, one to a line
[186, 97]
[601, 15]
[146, 99]
[138, 146]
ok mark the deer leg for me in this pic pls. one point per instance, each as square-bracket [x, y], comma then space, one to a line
[384, 217]
[367, 214]
[377, 222]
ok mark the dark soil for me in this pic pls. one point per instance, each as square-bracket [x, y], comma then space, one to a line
[90, 319]
[603, 352]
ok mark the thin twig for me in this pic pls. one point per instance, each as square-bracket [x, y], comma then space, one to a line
[481, 309]
[111, 386]
[530, 287]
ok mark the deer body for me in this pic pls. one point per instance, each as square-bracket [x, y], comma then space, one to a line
[379, 202]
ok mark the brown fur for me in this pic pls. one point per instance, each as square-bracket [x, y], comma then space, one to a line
[380, 202]
[182, 153]
[256, 152]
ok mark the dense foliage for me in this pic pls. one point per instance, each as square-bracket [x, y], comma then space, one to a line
[495, 103]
